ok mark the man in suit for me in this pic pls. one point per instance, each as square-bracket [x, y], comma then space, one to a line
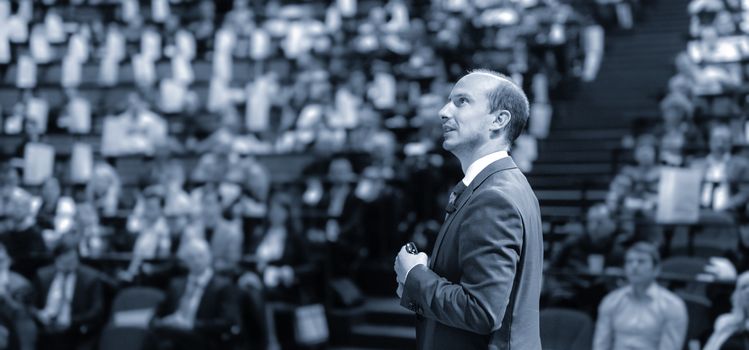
[70, 300]
[725, 176]
[199, 308]
[481, 287]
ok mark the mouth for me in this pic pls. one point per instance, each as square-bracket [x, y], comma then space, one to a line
[446, 129]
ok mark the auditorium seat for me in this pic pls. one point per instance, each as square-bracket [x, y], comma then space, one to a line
[122, 338]
[565, 329]
[135, 298]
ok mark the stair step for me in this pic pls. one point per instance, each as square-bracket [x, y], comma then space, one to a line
[573, 169]
[390, 337]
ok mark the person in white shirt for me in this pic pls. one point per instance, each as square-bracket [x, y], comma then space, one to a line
[145, 130]
[641, 315]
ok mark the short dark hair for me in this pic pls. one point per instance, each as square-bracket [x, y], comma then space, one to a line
[646, 248]
[511, 97]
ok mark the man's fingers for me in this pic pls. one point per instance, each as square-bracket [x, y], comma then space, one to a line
[403, 250]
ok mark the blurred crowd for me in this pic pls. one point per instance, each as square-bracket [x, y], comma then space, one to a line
[240, 156]
[684, 196]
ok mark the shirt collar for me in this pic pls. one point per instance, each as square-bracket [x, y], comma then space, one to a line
[651, 292]
[480, 164]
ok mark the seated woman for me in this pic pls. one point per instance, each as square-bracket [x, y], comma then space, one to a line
[730, 331]
[280, 253]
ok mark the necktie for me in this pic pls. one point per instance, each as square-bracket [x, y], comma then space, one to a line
[457, 191]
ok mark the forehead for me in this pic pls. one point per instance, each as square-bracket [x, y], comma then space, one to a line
[637, 255]
[476, 84]
[721, 131]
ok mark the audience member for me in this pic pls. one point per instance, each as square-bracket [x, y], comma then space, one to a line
[143, 129]
[148, 223]
[88, 231]
[282, 261]
[17, 328]
[724, 175]
[103, 189]
[633, 193]
[730, 331]
[599, 239]
[19, 233]
[50, 198]
[600, 247]
[677, 127]
[641, 315]
[635, 188]
[199, 308]
[70, 301]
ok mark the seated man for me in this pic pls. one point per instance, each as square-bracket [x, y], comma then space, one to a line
[70, 300]
[601, 246]
[724, 176]
[198, 308]
[641, 315]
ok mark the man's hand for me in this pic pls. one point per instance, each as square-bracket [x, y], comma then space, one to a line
[405, 261]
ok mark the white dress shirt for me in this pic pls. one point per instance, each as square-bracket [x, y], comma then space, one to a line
[188, 306]
[60, 297]
[480, 164]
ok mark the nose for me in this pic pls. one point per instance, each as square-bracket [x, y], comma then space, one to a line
[445, 111]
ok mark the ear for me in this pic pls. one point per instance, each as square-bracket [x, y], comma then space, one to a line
[500, 119]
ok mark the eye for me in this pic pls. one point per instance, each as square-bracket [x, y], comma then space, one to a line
[460, 101]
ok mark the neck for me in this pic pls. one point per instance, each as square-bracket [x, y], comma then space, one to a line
[200, 272]
[640, 289]
[718, 154]
[466, 159]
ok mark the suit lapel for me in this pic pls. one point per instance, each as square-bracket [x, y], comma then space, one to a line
[499, 165]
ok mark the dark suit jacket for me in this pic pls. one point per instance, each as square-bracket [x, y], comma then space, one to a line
[87, 309]
[737, 176]
[483, 284]
[217, 312]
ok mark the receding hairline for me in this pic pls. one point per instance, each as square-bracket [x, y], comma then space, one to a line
[493, 74]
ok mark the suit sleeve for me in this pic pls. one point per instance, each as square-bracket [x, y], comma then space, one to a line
[226, 316]
[491, 236]
[95, 297]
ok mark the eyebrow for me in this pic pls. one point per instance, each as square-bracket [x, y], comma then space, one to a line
[460, 94]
